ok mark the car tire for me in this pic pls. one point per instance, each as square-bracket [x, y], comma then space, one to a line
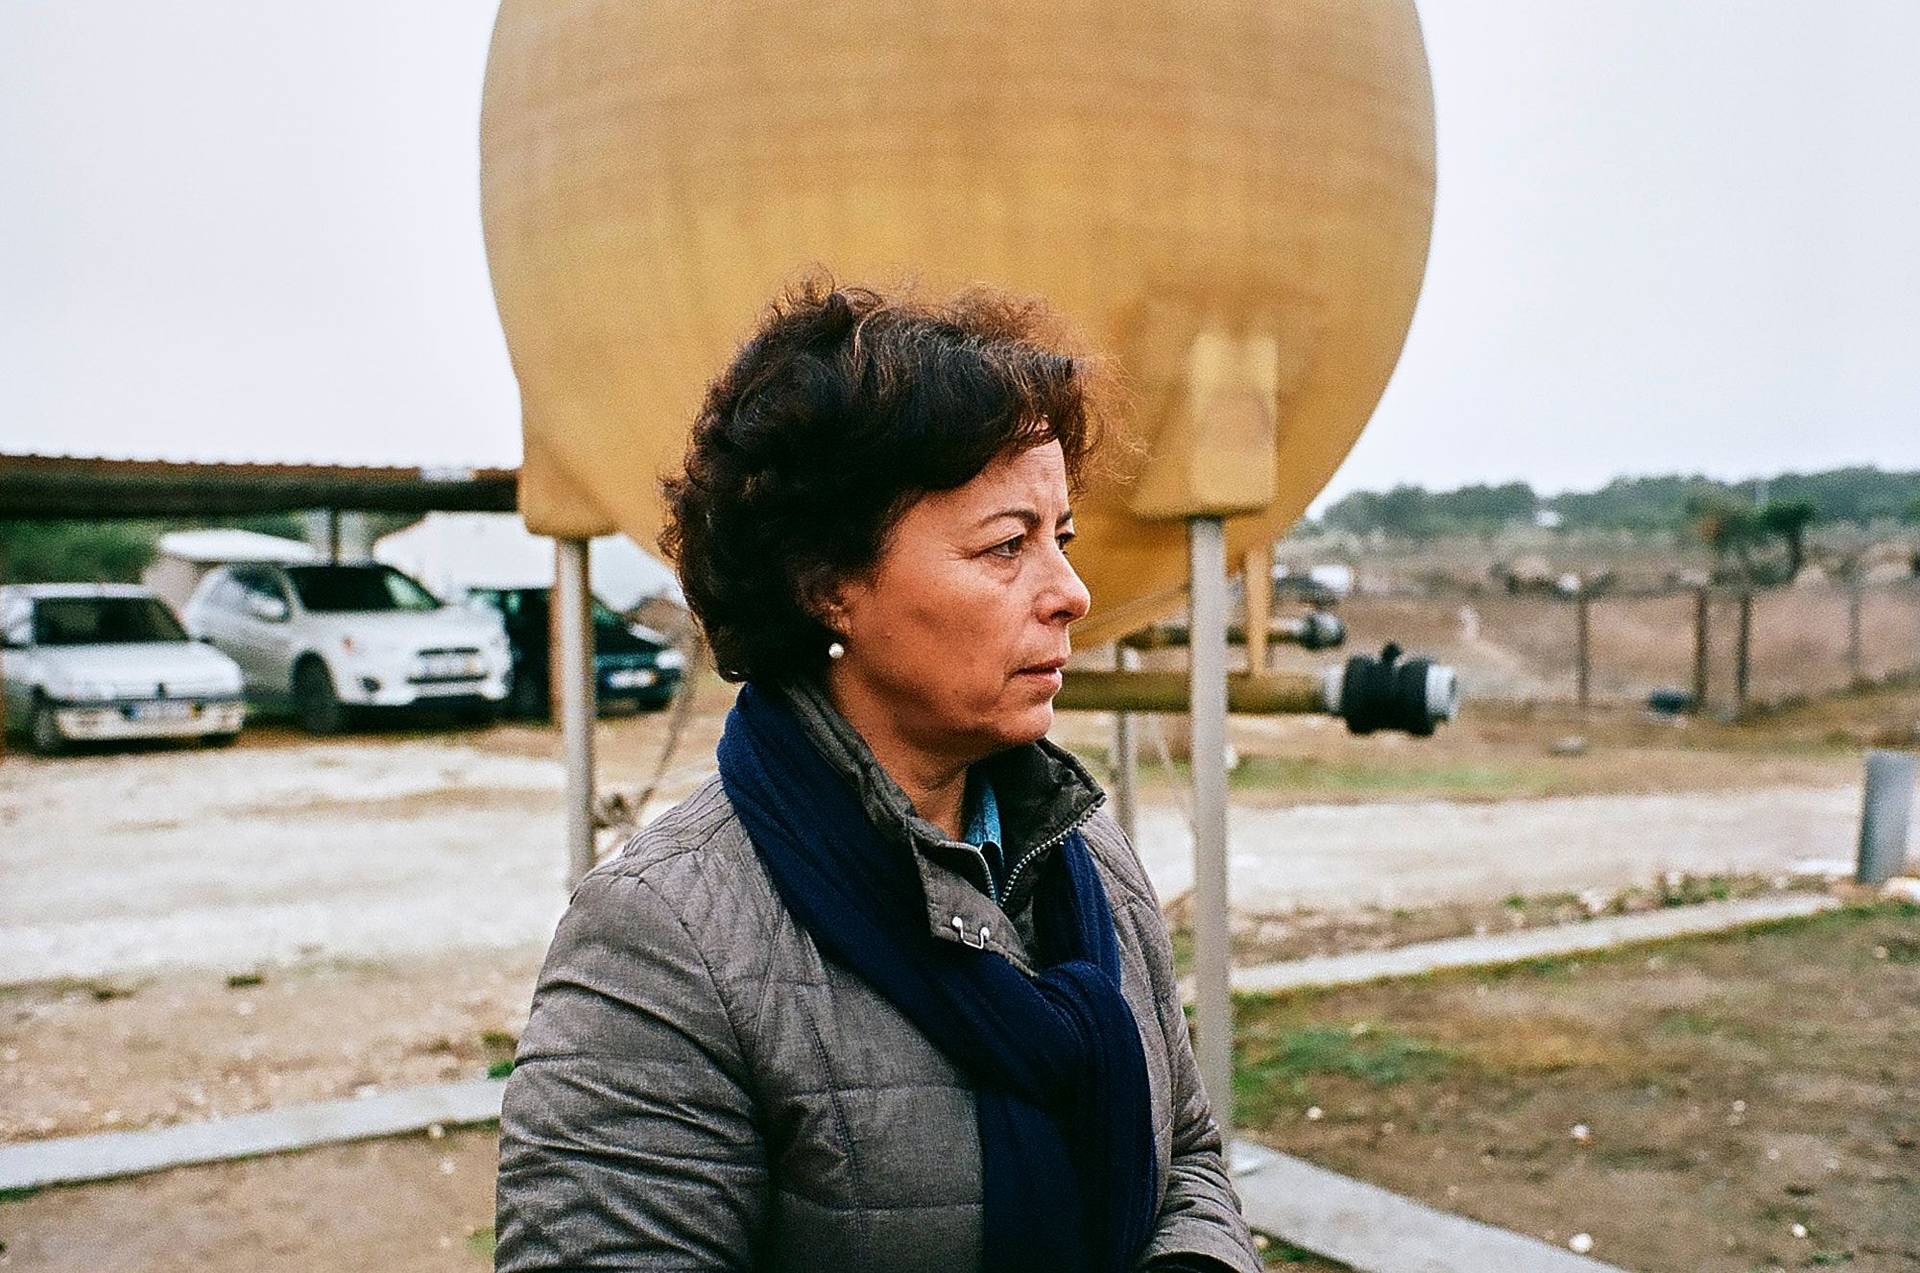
[43, 731]
[314, 701]
[219, 740]
[524, 697]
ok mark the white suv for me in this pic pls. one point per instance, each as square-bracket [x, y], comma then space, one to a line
[330, 638]
[86, 662]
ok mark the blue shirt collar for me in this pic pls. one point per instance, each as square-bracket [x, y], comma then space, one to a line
[982, 814]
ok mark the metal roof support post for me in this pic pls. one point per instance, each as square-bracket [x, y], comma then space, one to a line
[573, 655]
[1206, 545]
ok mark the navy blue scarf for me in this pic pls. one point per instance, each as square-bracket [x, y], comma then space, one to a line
[1056, 1061]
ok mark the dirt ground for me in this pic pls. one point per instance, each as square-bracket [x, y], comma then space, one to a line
[1686, 1105]
[122, 1053]
[406, 1205]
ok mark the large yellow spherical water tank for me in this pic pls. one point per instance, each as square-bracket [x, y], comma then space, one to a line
[1231, 197]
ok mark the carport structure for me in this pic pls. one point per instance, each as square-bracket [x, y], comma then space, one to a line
[41, 487]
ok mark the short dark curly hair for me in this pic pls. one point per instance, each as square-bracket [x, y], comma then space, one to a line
[842, 408]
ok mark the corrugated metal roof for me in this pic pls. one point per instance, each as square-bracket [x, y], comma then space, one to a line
[57, 486]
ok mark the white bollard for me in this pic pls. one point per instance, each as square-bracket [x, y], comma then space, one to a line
[1885, 815]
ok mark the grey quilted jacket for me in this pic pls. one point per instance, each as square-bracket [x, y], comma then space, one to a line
[698, 1089]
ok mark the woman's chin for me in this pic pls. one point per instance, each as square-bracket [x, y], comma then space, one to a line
[1026, 724]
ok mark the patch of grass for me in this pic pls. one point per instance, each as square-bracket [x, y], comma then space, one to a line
[481, 1242]
[1689, 1023]
[1903, 950]
[500, 1069]
[1278, 1253]
[20, 1194]
[1274, 1067]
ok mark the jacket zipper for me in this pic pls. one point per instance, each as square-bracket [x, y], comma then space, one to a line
[1013, 875]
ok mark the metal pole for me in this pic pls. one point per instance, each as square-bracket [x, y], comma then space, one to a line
[1126, 756]
[1206, 539]
[1258, 583]
[1856, 665]
[573, 655]
[333, 535]
[1701, 601]
[1885, 815]
[1741, 649]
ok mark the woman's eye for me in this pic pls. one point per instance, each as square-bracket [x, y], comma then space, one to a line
[1065, 540]
[1011, 548]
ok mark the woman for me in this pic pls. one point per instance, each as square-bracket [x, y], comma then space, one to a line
[890, 991]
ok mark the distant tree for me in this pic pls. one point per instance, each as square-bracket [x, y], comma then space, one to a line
[1482, 507]
[1789, 520]
[76, 552]
[1727, 525]
[1911, 513]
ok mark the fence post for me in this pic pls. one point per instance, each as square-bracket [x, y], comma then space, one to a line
[1741, 646]
[1583, 622]
[1885, 814]
[1856, 668]
[1702, 599]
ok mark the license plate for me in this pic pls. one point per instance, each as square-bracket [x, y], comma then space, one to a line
[161, 711]
[631, 678]
[450, 665]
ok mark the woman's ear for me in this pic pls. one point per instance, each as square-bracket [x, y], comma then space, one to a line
[825, 599]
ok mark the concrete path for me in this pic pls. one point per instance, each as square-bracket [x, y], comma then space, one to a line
[1496, 949]
[1328, 857]
[1379, 1231]
[73, 1159]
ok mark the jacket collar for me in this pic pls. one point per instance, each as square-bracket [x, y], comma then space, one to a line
[1043, 793]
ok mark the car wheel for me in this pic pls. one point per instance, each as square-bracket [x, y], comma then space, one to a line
[219, 740]
[524, 698]
[45, 731]
[319, 708]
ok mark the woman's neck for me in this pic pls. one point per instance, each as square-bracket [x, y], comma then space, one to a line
[935, 783]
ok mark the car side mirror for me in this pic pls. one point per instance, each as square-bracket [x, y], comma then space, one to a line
[267, 609]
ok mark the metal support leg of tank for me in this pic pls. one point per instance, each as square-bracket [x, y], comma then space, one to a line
[573, 657]
[1126, 756]
[1206, 542]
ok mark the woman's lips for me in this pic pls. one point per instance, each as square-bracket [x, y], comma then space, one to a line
[1045, 673]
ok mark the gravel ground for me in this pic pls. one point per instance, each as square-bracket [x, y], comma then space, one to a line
[373, 847]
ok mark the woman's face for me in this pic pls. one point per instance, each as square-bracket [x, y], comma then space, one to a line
[959, 632]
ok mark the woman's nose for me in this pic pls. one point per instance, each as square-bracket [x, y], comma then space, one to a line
[1067, 600]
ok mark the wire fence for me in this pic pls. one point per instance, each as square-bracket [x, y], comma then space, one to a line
[1733, 649]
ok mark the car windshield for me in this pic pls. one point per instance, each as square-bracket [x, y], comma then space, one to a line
[338, 589]
[530, 605]
[103, 621]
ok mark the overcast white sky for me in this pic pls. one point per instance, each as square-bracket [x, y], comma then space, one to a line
[1669, 237]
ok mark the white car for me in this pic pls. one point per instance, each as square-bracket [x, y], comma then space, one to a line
[332, 638]
[98, 662]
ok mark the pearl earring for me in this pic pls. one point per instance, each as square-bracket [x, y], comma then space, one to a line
[835, 650]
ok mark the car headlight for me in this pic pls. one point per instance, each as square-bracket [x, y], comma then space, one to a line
[80, 691]
[670, 660]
